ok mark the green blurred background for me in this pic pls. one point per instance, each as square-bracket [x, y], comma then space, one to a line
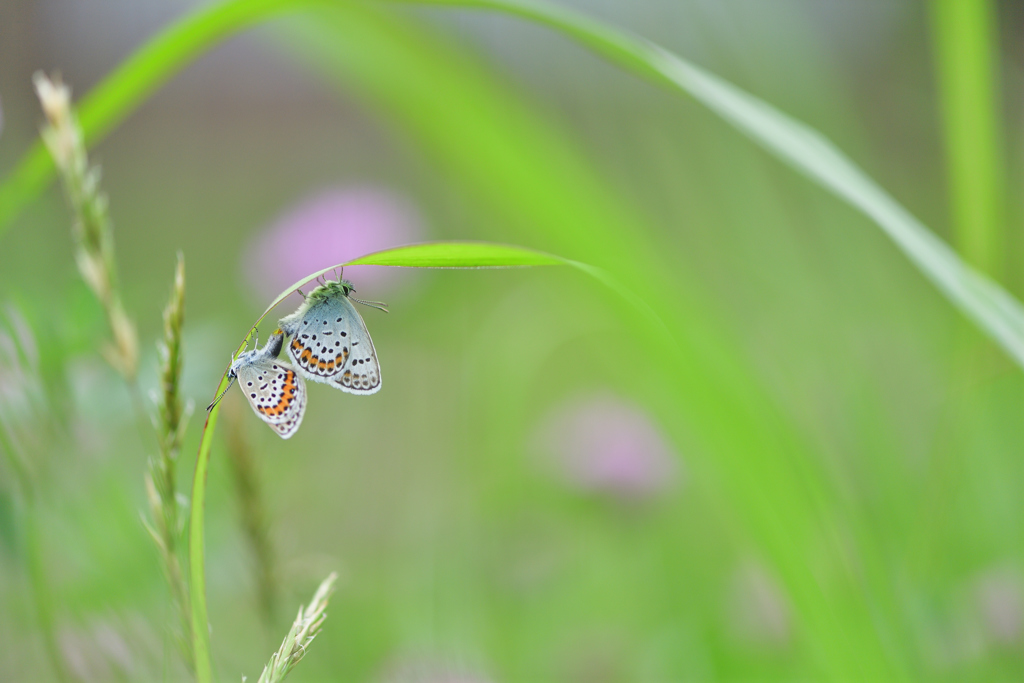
[822, 479]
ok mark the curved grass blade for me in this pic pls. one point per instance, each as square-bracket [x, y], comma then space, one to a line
[996, 312]
[455, 255]
[134, 80]
[449, 255]
[965, 49]
[515, 164]
[991, 307]
[459, 255]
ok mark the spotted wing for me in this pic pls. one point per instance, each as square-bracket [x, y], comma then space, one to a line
[276, 392]
[330, 344]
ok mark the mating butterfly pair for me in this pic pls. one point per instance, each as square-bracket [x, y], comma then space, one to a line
[329, 344]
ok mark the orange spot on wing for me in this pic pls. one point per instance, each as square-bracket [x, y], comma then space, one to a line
[288, 390]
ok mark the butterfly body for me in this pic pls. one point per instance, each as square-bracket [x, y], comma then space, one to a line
[273, 388]
[330, 343]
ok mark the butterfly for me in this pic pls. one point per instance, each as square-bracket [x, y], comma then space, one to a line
[275, 391]
[329, 341]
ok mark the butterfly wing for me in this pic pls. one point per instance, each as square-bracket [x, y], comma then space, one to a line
[275, 392]
[320, 345]
[330, 344]
[362, 374]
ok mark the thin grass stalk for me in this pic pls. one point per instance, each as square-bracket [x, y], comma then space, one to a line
[252, 510]
[94, 254]
[197, 548]
[91, 226]
[305, 628]
[197, 533]
[161, 480]
[42, 596]
[965, 39]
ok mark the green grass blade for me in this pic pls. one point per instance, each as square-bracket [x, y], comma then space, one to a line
[994, 310]
[459, 255]
[465, 255]
[515, 165]
[197, 549]
[964, 37]
[475, 255]
[134, 81]
[991, 308]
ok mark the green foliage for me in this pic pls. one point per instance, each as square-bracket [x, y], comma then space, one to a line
[966, 51]
[997, 313]
[767, 485]
[464, 255]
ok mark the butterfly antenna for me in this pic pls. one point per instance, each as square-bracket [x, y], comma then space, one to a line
[379, 305]
[221, 395]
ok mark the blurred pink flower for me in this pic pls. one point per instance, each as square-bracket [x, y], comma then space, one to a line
[758, 609]
[999, 599]
[602, 444]
[987, 617]
[331, 227]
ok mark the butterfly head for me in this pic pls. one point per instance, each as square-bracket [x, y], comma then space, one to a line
[272, 348]
[329, 289]
[232, 376]
[242, 359]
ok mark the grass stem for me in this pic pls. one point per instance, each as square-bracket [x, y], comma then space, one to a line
[161, 481]
[251, 509]
[42, 597]
[966, 61]
[196, 546]
[91, 226]
[305, 628]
